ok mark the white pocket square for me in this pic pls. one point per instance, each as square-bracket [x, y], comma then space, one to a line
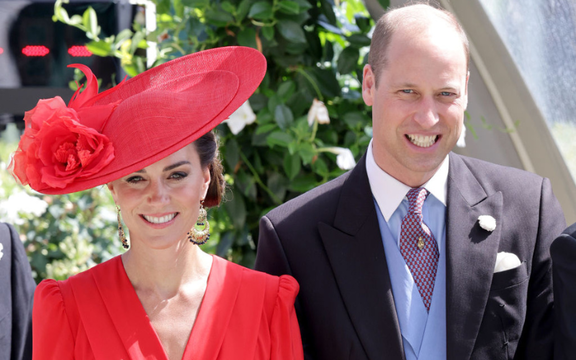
[506, 261]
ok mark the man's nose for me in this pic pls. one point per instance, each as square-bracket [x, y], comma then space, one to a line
[427, 113]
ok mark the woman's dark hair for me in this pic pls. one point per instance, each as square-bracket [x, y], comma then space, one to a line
[207, 148]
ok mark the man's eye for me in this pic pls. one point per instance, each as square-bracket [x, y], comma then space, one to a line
[178, 175]
[134, 179]
[446, 93]
[407, 91]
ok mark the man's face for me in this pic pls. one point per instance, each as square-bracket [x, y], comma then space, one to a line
[418, 105]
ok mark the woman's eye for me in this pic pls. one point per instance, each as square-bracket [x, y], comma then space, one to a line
[178, 175]
[134, 179]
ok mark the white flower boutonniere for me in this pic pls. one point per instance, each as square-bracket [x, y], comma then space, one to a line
[487, 222]
[1, 248]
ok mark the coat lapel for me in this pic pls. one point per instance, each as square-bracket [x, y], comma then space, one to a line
[354, 247]
[471, 255]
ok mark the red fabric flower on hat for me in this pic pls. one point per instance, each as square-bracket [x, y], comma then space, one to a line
[57, 146]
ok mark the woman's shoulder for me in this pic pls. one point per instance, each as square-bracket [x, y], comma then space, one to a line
[283, 286]
[54, 292]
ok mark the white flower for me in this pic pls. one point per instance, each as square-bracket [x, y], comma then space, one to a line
[21, 202]
[1, 248]
[318, 112]
[487, 222]
[243, 116]
[462, 139]
[344, 158]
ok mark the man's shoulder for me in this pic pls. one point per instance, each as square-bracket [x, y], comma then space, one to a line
[495, 176]
[312, 204]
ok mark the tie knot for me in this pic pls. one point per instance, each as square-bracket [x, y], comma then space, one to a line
[416, 199]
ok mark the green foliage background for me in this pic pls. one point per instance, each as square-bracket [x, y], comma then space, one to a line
[315, 49]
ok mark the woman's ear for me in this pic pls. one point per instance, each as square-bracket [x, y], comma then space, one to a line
[112, 191]
[206, 184]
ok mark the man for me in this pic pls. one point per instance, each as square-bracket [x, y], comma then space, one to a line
[418, 253]
[16, 294]
[563, 253]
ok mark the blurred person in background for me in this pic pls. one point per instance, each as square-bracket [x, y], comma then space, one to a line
[16, 296]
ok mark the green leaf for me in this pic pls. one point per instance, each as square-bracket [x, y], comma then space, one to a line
[195, 4]
[303, 4]
[123, 36]
[289, 7]
[363, 23]
[359, 40]
[353, 119]
[278, 184]
[265, 128]
[90, 20]
[100, 48]
[348, 60]
[138, 37]
[268, 32]
[219, 18]
[246, 184]
[280, 138]
[247, 37]
[261, 11]
[292, 165]
[307, 153]
[76, 20]
[291, 31]
[286, 89]
[328, 11]
[243, 9]
[225, 244]
[303, 183]
[283, 116]
[232, 154]
[384, 3]
[236, 209]
[228, 7]
[327, 82]
[319, 166]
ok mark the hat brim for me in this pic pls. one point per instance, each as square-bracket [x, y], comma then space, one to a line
[170, 106]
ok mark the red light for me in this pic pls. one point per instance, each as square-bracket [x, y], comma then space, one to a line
[1, 51]
[35, 50]
[79, 51]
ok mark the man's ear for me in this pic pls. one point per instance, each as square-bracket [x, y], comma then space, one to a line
[368, 85]
[466, 91]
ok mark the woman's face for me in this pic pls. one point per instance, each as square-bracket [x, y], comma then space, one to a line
[160, 203]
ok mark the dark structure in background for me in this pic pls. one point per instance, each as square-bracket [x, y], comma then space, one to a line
[35, 52]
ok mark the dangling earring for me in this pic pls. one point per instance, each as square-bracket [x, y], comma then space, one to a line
[200, 233]
[121, 231]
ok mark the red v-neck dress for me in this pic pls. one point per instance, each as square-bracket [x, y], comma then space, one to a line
[245, 314]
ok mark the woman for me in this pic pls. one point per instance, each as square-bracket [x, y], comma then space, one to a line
[149, 139]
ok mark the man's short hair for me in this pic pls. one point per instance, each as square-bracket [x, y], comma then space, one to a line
[392, 19]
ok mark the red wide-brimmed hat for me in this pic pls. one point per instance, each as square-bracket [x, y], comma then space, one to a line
[102, 137]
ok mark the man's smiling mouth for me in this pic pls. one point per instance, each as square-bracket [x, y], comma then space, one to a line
[422, 140]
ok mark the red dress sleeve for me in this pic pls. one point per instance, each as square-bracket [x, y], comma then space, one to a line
[284, 329]
[51, 332]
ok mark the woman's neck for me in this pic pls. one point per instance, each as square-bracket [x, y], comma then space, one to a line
[166, 272]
